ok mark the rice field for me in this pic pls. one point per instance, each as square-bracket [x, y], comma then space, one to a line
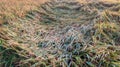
[60, 33]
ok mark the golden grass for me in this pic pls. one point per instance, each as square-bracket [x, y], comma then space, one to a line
[10, 9]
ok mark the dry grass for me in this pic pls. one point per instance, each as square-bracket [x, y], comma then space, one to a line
[34, 36]
[11, 9]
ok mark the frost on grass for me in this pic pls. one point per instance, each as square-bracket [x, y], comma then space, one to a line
[62, 33]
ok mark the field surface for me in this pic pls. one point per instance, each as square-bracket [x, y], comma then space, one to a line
[59, 33]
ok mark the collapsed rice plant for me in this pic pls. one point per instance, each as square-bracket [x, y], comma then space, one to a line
[64, 34]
